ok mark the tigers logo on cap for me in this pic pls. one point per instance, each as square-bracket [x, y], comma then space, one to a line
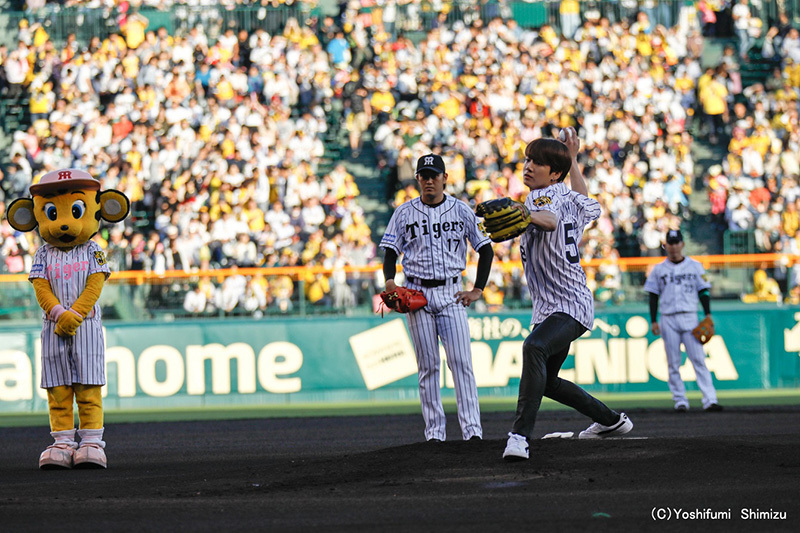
[431, 162]
[674, 236]
[68, 178]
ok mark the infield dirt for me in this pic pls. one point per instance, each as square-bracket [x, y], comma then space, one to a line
[374, 474]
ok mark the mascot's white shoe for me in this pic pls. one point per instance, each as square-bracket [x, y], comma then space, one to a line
[90, 456]
[56, 457]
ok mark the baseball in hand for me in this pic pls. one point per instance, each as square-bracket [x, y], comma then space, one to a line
[563, 134]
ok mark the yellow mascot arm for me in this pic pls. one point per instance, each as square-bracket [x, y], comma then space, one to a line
[44, 295]
[90, 294]
[67, 323]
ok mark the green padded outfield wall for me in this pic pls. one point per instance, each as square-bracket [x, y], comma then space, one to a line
[287, 360]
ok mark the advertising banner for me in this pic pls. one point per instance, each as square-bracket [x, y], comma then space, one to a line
[335, 359]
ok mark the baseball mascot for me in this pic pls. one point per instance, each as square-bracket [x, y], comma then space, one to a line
[68, 274]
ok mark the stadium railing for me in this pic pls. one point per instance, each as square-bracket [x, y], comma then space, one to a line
[140, 295]
[739, 242]
[86, 22]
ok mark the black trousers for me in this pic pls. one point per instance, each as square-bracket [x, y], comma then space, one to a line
[543, 352]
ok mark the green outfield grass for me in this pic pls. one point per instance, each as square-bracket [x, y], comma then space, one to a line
[648, 400]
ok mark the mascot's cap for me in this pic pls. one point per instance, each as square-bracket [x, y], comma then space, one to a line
[67, 178]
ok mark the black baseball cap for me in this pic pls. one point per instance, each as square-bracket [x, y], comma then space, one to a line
[431, 162]
[674, 236]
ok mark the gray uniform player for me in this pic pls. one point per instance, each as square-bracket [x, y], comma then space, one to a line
[678, 283]
[432, 233]
[563, 308]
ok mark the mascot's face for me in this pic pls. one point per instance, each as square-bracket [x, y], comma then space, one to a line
[67, 218]
[67, 206]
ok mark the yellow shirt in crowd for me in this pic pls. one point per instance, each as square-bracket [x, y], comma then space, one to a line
[714, 98]
[134, 31]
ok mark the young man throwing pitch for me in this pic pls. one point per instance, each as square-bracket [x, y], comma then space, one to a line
[551, 224]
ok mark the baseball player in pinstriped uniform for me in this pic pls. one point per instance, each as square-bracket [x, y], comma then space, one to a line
[563, 307]
[679, 282]
[68, 274]
[432, 233]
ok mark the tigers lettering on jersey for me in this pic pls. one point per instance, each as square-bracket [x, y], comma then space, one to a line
[66, 270]
[677, 284]
[436, 228]
[677, 279]
[433, 239]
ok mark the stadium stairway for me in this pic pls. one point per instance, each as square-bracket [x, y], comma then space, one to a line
[372, 184]
[364, 168]
[15, 116]
[700, 237]
[699, 240]
[370, 179]
[8, 25]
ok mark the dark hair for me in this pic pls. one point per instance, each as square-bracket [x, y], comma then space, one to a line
[551, 153]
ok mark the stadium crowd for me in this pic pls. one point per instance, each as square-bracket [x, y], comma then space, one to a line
[479, 93]
[755, 187]
[218, 142]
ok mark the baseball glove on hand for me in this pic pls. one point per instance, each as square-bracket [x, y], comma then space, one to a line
[503, 219]
[404, 300]
[704, 330]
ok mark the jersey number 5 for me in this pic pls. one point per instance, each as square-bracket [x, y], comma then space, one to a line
[570, 244]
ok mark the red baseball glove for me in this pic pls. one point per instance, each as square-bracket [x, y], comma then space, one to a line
[404, 300]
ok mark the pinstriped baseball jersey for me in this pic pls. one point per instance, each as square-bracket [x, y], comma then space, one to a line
[677, 285]
[433, 239]
[552, 259]
[78, 359]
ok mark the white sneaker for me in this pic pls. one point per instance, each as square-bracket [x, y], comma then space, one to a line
[599, 431]
[516, 449]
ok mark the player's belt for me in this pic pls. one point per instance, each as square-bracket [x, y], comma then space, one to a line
[432, 282]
